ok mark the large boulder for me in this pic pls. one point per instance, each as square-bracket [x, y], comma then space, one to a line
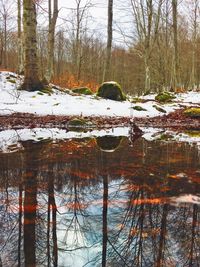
[193, 112]
[77, 124]
[108, 143]
[111, 90]
[164, 97]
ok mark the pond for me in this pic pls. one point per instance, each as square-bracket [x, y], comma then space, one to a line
[107, 200]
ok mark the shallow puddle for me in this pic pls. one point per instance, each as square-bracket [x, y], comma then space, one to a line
[99, 201]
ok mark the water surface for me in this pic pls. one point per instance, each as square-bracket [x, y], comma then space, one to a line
[105, 201]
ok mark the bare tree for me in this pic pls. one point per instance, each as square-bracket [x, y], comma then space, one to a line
[147, 19]
[31, 79]
[80, 14]
[20, 38]
[6, 9]
[194, 19]
[106, 74]
[51, 37]
[175, 75]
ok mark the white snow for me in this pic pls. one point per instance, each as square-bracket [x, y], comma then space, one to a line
[151, 134]
[10, 139]
[60, 103]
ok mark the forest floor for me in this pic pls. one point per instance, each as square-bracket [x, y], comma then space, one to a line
[21, 109]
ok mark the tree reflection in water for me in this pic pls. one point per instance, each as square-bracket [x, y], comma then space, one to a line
[72, 203]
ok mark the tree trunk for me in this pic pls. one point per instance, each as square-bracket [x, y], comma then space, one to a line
[20, 42]
[193, 81]
[105, 223]
[106, 74]
[51, 39]
[30, 206]
[20, 225]
[31, 79]
[147, 75]
[175, 75]
[5, 40]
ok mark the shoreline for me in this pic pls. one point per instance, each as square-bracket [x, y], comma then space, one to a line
[174, 121]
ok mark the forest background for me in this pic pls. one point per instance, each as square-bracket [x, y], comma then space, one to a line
[155, 44]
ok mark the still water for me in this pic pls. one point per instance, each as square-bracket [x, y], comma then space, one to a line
[102, 201]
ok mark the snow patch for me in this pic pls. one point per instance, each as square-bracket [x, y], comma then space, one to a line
[60, 103]
[10, 140]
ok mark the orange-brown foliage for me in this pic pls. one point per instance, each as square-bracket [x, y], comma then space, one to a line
[180, 90]
[69, 81]
[7, 69]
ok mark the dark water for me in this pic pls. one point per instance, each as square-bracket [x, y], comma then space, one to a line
[100, 202]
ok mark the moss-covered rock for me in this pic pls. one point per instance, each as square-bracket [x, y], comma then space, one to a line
[193, 133]
[11, 80]
[80, 125]
[76, 122]
[109, 143]
[139, 108]
[111, 90]
[192, 112]
[40, 93]
[165, 137]
[137, 100]
[159, 109]
[82, 91]
[164, 97]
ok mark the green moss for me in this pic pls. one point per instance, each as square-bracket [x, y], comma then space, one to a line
[109, 143]
[11, 81]
[47, 90]
[165, 137]
[159, 109]
[77, 122]
[80, 125]
[111, 90]
[82, 91]
[124, 97]
[40, 93]
[164, 97]
[138, 108]
[137, 100]
[193, 133]
[192, 112]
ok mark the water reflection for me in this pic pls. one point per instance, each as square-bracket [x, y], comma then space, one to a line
[70, 203]
[109, 143]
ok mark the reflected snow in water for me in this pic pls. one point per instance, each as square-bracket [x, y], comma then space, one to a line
[100, 201]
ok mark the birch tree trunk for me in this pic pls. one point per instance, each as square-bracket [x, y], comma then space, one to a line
[106, 73]
[51, 38]
[193, 80]
[175, 75]
[20, 39]
[31, 71]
